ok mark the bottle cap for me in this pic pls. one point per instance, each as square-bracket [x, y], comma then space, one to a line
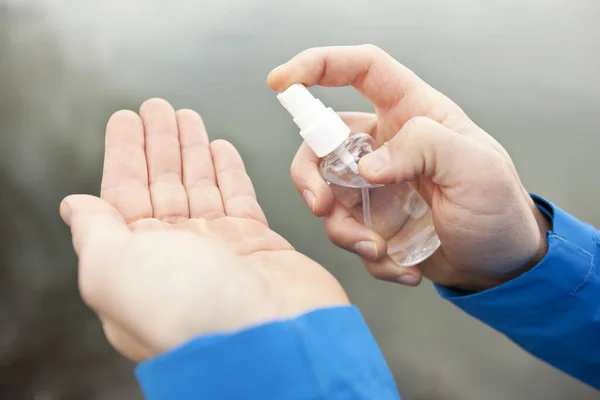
[320, 127]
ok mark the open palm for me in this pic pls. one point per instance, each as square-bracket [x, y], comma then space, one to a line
[178, 245]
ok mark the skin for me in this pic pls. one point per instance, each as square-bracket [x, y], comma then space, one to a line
[489, 227]
[177, 245]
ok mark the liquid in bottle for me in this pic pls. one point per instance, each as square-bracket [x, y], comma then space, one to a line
[396, 212]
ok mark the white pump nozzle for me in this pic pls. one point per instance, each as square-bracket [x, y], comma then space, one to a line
[320, 127]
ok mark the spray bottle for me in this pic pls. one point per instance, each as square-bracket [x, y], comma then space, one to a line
[396, 212]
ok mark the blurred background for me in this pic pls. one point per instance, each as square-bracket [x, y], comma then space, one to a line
[526, 71]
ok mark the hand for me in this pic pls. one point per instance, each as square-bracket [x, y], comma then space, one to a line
[488, 225]
[178, 246]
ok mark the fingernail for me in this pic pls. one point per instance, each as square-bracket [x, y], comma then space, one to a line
[366, 250]
[408, 279]
[310, 199]
[377, 160]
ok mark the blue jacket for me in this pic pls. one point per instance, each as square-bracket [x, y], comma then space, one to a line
[552, 311]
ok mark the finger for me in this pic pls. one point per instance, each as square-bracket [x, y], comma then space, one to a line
[248, 237]
[99, 235]
[387, 270]
[423, 148]
[125, 177]
[346, 232]
[237, 191]
[380, 78]
[94, 224]
[310, 184]
[163, 155]
[305, 167]
[360, 122]
[199, 176]
[386, 83]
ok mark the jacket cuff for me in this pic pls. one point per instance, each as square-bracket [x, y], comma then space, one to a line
[328, 353]
[561, 274]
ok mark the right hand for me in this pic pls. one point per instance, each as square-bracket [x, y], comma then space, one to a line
[489, 226]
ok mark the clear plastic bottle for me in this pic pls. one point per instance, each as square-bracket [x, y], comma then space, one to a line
[396, 212]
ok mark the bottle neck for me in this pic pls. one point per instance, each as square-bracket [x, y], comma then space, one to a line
[344, 160]
[343, 155]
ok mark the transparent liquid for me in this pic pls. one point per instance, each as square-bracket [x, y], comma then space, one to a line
[396, 212]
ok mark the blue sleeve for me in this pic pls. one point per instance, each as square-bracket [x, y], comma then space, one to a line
[553, 310]
[325, 354]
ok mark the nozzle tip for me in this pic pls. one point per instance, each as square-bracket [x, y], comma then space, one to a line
[296, 99]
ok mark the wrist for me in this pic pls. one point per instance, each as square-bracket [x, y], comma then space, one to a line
[534, 256]
[544, 224]
[540, 224]
[282, 296]
[295, 358]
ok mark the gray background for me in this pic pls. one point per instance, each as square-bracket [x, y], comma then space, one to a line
[526, 71]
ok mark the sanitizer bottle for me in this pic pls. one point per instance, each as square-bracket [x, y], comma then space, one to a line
[396, 212]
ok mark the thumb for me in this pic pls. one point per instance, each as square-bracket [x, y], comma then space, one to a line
[422, 147]
[93, 222]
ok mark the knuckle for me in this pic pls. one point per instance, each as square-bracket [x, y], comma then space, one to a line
[335, 235]
[298, 173]
[311, 54]
[374, 273]
[419, 130]
[417, 124]
[437, 111]
[332, 233]
[338, 232]
[497, 172]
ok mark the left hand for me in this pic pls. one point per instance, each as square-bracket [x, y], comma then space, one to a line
[178, 246]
